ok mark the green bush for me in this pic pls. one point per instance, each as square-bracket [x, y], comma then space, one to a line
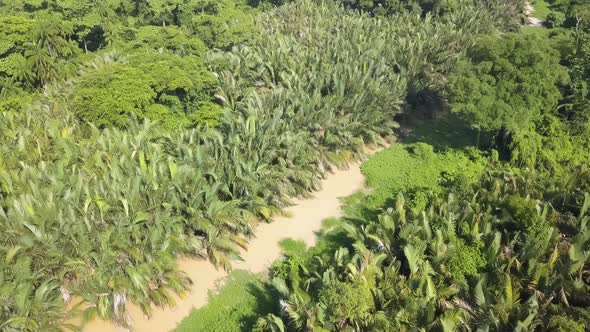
[417, 170]
[176, 91]
[555, 19]
[467, 261]
[346, 301]
[509, 82]
[108, 97]
[564, 324]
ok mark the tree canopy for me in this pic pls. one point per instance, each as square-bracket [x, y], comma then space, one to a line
[510, 81]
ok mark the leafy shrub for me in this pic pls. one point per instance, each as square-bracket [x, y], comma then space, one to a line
[555, 19]
[417, 170]
[174, 90]
[295, 255]
[346, 301]
[509, 82]
[564, 324]
[108, 97]
[467, 261]
[170, 38]
[523, 211]
[225, 26]
[423, 151]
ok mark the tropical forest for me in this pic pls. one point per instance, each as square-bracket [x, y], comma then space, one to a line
[294, 165]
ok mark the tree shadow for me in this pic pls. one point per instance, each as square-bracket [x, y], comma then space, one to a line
[267, 301]
[448, 131]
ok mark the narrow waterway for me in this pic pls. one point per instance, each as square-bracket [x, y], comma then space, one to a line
[305, 218]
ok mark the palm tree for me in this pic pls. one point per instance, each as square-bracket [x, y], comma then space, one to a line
[270, 323]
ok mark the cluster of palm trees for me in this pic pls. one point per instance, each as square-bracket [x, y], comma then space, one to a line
[495, 258]
[101, 215]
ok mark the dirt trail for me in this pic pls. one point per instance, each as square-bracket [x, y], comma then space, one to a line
[306, 218]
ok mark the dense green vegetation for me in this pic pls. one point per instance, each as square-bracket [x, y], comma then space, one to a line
[496, 257]
[566, 13]
[501, 249]
[419, 172]
[120, 57]
[135, 132]
[99, 212]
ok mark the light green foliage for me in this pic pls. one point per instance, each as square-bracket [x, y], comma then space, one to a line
[220, 24]
[14, 35]
[416, 169]
[510, 82]
[293, 247]
[575, 12]
[169, 38]
[515, 85]
[564, 324]
[346, 302]
[90, 19]
[226, 25]
[466, 262]
[107, 96]
[523, 212]
[15, 99]
[235, 307]
[174, 90]
[34, 52]
[295, 255]
[523, 218]
[555, 19]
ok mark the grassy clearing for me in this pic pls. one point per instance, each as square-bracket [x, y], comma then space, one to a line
[439, 154]
[541, 8]
[534, 30]
[233, 308]
[420, 172]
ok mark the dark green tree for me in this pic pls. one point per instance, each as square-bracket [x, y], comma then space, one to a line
[509, 82]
